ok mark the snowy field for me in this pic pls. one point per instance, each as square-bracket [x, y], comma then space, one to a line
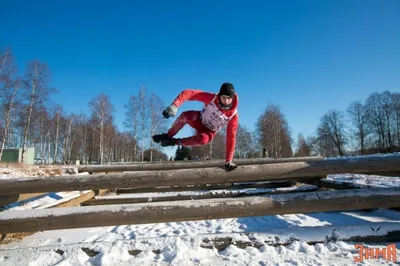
[295, 239]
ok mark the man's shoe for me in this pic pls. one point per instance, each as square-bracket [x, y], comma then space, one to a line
[160, 137]
[168, 142]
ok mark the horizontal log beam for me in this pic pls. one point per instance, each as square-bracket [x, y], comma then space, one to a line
[231, 194]
[209, 187]
[145, 179]
[187, 164]
[157, 212]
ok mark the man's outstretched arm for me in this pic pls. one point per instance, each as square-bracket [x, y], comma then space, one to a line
[187, 95]
[231, 142]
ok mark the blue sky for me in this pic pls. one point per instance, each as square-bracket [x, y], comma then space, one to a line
[304, 56]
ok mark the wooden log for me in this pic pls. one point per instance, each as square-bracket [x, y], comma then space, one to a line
[154, 166]
[4, 238]
[4, 200]
[208, 187]
[231, 194]
[145, 179]
[157, 212]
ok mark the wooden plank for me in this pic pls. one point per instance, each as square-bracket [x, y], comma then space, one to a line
[157, 212]
[145, 179]
[209, 187]
[166, 165]
[8, 199]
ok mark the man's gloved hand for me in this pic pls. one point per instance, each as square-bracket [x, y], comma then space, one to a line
[230, 166]
[170, 111]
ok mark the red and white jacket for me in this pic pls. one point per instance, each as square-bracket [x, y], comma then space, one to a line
[206, 98]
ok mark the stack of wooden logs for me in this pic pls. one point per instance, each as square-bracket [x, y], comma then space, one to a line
[198, 175]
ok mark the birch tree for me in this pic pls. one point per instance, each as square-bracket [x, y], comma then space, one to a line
[143, 111]
[102, 114]
[37, 92]
[9, 102]
[132, 119]
[157, 121]
[359, 122]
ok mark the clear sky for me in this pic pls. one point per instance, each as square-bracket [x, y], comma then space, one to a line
[304, 56]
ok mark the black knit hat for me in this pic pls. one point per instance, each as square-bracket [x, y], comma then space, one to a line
[227, 89]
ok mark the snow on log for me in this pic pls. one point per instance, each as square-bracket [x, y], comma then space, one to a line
[231, 186]
[166, 165]
[107, 200]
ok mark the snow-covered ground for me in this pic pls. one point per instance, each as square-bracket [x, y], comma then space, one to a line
[295, 239]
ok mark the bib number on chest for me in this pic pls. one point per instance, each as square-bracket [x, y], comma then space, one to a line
[213, 118]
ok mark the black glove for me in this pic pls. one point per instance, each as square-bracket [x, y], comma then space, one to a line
[170, 111]
[230, 166]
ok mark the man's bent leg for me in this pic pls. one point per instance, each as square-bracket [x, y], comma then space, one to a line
[188, 117]
[199, 139]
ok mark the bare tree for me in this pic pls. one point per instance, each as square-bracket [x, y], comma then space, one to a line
[331, 133]
[244, 142]
[132, 119]
[143, 110]
[303, 148]
[57, 117]
[273, 133]
[7, 70]
[312, 143]
[68, 137]
[157, 121]
[102, 113]
[8, 107]
[79, 138]
[396, 111]
[359, 120]
[43, 134]
[378, 120]
[37, 94]
[9, 87]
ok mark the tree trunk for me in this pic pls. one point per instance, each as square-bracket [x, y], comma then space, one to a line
[8, 121]
[56, 138]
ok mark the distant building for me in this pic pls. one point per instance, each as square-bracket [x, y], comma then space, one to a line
[15, 156]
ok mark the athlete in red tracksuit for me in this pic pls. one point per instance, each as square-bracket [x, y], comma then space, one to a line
[219, 110]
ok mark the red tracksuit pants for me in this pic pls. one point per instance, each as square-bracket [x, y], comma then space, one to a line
[192, 118]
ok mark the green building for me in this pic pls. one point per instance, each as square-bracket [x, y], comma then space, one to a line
[15, 156]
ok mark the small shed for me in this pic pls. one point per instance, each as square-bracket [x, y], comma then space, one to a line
[14, 155]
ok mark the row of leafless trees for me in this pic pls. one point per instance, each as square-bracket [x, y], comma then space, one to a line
[365, 127]
[372, 126]
[29, 119]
